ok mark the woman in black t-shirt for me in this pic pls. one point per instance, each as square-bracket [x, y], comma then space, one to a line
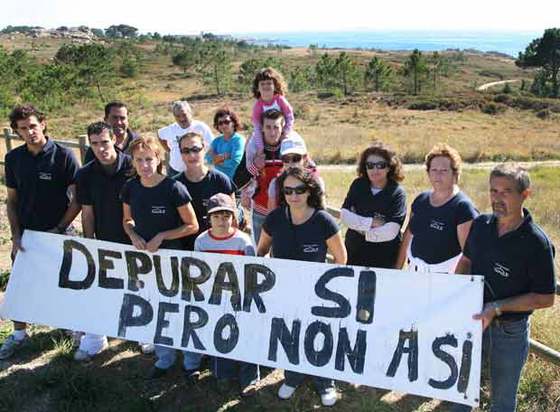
[300, 229]
[440, 218]
[374, 209]
[157, 213]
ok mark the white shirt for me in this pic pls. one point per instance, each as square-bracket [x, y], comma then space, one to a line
[173, 132]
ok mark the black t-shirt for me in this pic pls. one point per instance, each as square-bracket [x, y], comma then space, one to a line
[435, 228]
[41, 183]
[306, 241]
[516, 263]
[214, 182]
[154, 209]
[389, 204]
[96, 188]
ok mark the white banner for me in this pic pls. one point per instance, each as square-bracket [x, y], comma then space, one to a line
[390, 329]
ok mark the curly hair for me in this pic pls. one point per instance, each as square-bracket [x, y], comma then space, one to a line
[444, 150]
[380, 149]
[226, 111]
[315, 198]
[148, 143]
[268, 73]
[23, 112]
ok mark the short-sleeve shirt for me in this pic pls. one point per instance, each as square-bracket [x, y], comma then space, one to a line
[172, 133]
[41, 183]
[214, 182]
[518, 262]
[154, 209]
[435, 228]
[101, 190]
[306, 241]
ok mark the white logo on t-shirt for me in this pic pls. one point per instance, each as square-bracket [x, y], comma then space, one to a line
[158, 210]
[310, 248]
[45, 176]
[437, 225]
[501, 270]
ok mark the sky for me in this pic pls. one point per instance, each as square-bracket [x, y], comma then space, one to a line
[246, 16]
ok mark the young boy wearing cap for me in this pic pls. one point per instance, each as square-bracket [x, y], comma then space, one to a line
[224, 237]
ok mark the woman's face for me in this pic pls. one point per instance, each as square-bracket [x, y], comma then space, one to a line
[192, 152]
[295, 192]
[225, 125]
[440, 173]
[377, 169]
[266, 89]
[145, 162]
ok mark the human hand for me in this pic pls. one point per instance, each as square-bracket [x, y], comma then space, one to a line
[486, 316]
[377, 222]
[259, 161]
[138, 242]
[154, 243]
[218, 159]
[16, 246]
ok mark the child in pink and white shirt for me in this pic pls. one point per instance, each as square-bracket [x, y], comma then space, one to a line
[269, 87]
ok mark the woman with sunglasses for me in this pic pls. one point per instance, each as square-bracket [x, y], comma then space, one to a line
[293, 153]
[201, 182]
[157, 213]
[375, 208]
[440, 218]
[290, 230]
[226, 150]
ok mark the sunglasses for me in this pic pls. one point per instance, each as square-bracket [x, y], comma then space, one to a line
[292, 159]
[376, 165]
[225, 121]
[188, 150]
[298, 190]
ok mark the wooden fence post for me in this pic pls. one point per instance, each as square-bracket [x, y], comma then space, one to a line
[8, 137]
[83, 145]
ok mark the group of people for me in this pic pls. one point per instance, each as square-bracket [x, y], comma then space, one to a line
[196, 203]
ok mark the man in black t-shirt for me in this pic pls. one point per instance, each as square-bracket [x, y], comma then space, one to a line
[517, 261]
[40, 178]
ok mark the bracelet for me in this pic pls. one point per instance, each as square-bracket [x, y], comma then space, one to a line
[497, 309]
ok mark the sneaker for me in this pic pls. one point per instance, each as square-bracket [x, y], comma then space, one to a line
[191, 376]
[83, 355]
[10, 345]
[147, 348]
[285, 391]
[249, 390]
[329, 398]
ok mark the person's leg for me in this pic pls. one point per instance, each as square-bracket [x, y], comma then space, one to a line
[509, 347]
[191, 360]
[165, 357]
[323, 385]
[249, 374]
[14, 341]
[223, 368]
[293, 379]
[257, 220]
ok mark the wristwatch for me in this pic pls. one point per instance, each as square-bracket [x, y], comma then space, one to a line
[497, 309]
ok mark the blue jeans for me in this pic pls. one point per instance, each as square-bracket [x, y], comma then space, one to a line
[166, 358]
[294, 379]
[257, 220]
[223, 368]
[505, 348]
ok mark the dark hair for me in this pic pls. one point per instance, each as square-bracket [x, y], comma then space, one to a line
[315, 198]
[272, 114]
[25, 111]
[226, 111]
[118, 104]
[190, 135]
[380, 149]
[268, 73]
[98, 128]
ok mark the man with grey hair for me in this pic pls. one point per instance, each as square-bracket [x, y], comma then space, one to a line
[517, 260]
[170, 135]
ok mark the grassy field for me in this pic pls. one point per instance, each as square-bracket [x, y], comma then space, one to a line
[44, 377]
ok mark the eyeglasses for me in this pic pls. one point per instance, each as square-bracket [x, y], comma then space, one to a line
[298, 190]
[194, 149]
[292, 159]
[225, 121]
[376, 165]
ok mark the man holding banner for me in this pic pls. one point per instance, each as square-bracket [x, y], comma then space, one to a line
[517, 260]
[40, 178]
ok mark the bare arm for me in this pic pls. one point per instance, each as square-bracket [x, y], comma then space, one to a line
[129, 225]
[265, 242]
[463, 266]
[463, 232]
[88, 221]
[73, 209]
[401, 256]
[13, 219]
[189, 226]
[336, 247]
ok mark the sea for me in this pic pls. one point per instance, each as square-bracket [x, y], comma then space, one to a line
[505, 42]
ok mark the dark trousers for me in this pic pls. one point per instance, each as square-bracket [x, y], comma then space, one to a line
[294, 379]
[247, 373]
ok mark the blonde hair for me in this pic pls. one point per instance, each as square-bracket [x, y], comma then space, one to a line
[444, 150]
[149, 143]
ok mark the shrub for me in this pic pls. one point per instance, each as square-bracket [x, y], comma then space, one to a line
[543, 114]
[423, 105]
[493, 108]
